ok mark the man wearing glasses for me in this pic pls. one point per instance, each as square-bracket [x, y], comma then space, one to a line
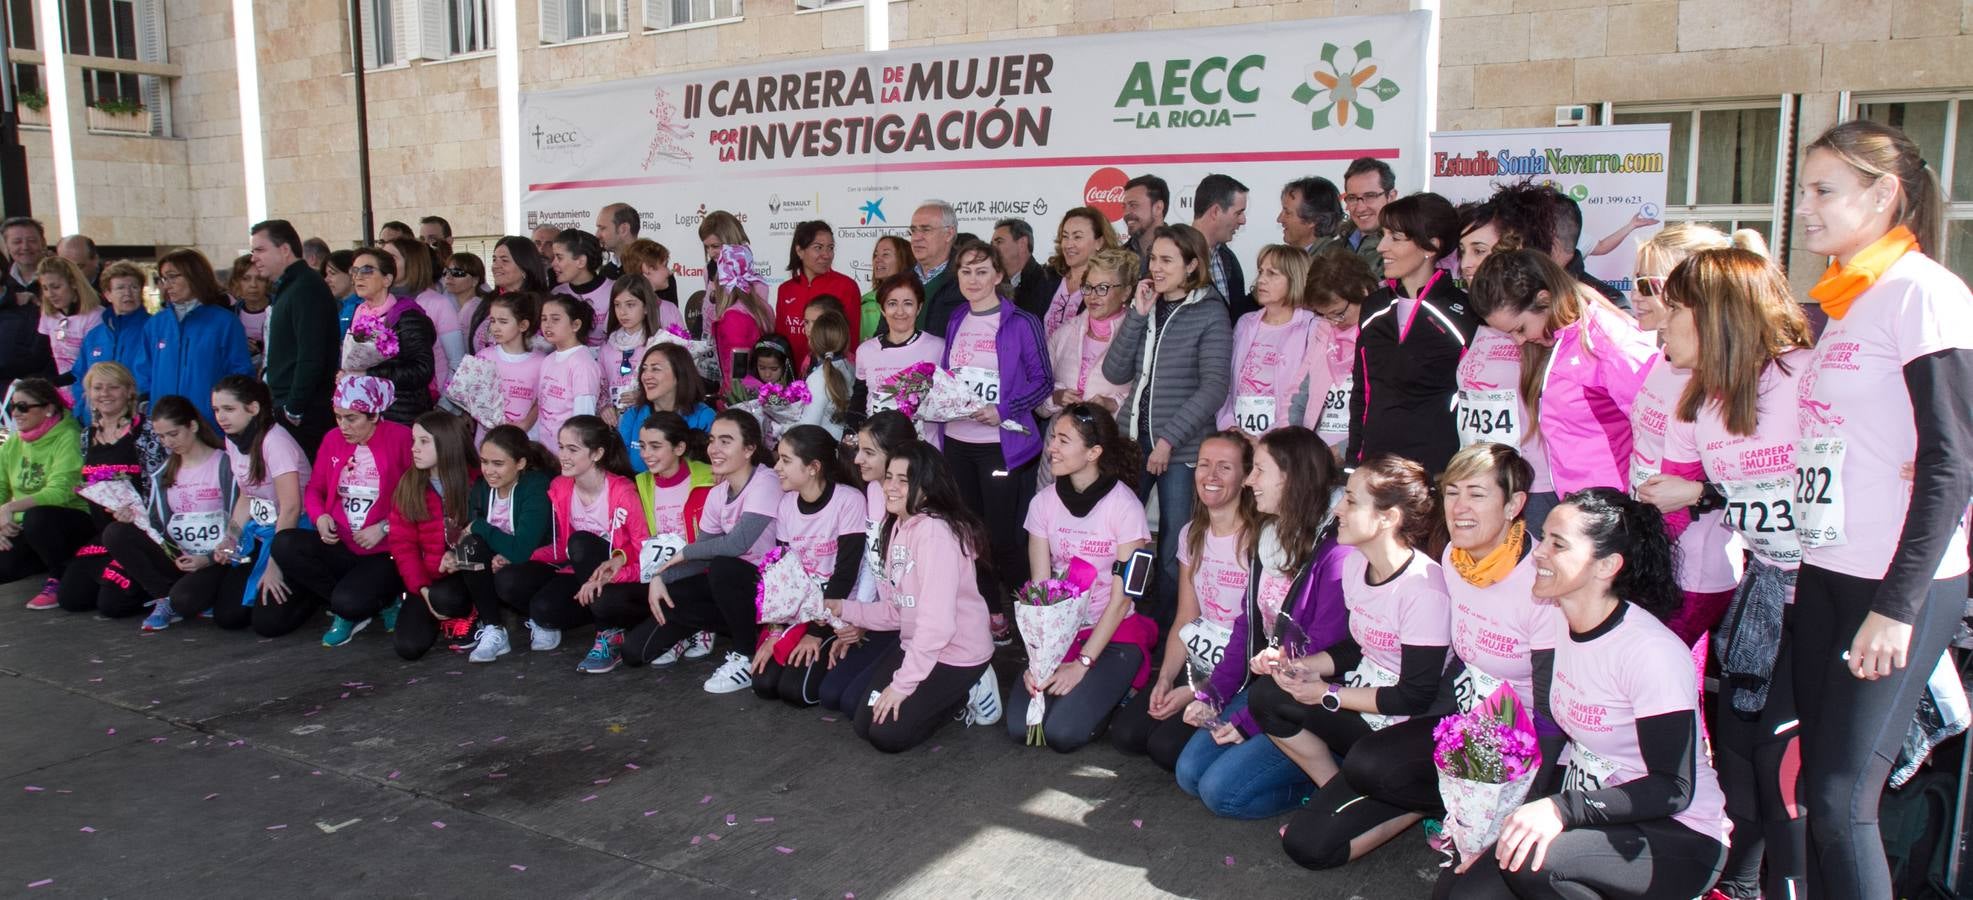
[934, 225]
[1368, 184]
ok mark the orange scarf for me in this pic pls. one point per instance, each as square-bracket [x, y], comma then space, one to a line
[1496, 565]
[1843, 283]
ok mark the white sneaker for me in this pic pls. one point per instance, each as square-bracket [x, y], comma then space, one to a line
[735, 674]
[542, 639]
[493, 645]
[983, 700]
[670, 657]
[698, 646]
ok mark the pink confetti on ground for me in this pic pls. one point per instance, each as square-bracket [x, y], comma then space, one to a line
[439, 825]
[391, 777]
[763, 820]
[588, 748]
[411, 682]
[316, 772]
[1229, 860]
[828, 718]
[95, 681]
[36, 790]
[111, 731]
[649, 813]
[1137, 823]
[732, 820]
[784, 851]
[466, 743]
[695, 840]
[713, 836]
[499, 739]
[517, 867]
[345, 696]
[601, 781]
[702, 800]
[88, 830]
[208, 796]
[42, 883]
[157, 740]
[238, 743]
[632, 766]
[587, 799]
[275, 827]
[937, 747]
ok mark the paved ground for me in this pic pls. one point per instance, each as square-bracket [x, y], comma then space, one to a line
[202, 763]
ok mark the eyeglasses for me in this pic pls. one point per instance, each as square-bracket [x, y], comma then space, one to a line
[19, 407]
[458, 272]
[1354, 199]
[361, 271]
[1649, 285]
[1100, 289]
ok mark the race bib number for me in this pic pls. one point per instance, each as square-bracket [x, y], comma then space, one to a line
[1819, 492]
[654, 553]
[196, 534]
[1254, 415]
[983, 384]
[1489, 416]
[1371, 675]
[1335, 418]
[1205, 642]
[1587, 771]
[1762, 511]
[1473, 686]
[262, 511]
[356, 501]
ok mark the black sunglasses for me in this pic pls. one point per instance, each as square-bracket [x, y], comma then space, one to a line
[19, 407]
[457, 272]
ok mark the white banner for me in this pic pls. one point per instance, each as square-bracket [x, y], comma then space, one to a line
[1616, 173]
[1026, 129]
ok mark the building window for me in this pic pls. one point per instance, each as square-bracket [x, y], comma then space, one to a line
[469, 26]
[672, 13]
[379, 33]
[397, 31]
[568, 20]
[1937, 123]
[1727, 165]
[21, 36]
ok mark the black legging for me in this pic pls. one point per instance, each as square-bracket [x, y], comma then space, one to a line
[1386, 774]
[1759, 763]
[1283, 716]
[220, 588]
[1072, 720]
[1852, 730]
[545, 594]
[797, 686]
[95, 583]
[941, 694]
[1134, 732]
[453, 596]
[356, 586]
[848, 683]
[1656, 859]
[720, 600]
[48, 539]
[1001, 501]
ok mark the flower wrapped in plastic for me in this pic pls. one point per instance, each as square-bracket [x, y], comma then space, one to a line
[950, 398]
[905, 389]
[1487, 758]
[116, 494]
[704, 357]
[746, 399]
[475, 388]
[784, 403]
[369, 342]
[788, 595]
[1049, 614]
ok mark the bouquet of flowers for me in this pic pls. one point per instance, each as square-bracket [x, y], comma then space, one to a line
[787, 594]
[475, 388]
[784, 403]
[115, 494]
[369, 342]
[704, 357]
[748, 399]
[1049, 614]
[949, 399]
[1487, 758]
[905, 390]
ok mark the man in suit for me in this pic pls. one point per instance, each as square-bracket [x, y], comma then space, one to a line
[1219, 208]
[1029, 283]
[1368, 184]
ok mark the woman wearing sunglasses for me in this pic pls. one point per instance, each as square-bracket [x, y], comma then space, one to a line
[42, 521]
[1076, 347]
[410, 371]
[464, 280]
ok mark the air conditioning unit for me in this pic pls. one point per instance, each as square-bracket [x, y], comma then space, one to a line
[1572, 116]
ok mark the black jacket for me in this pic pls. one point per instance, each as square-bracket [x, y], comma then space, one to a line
[1582, 276]
[941, 298]
[24, 351]
[1238, 301]
[410, 371]
[1402, 390]
[303, 344]
[1037, 290]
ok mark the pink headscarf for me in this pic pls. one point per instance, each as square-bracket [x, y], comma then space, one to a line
[736, 268]
[366, 394]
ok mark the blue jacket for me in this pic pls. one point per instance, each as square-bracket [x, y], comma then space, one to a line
[187, 358]
[118, 339]
[1025, 377]
[346, 315]
[632, 421]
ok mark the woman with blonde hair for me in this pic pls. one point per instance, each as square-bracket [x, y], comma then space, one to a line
[1076, 347]
[70, 307]
[1084, 232]
[1270, 344]
[650, 259]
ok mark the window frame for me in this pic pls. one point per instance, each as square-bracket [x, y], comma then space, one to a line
[1776, 212]
[554, 30]
[1955, 209]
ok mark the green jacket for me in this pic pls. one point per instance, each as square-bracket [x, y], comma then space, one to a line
[702, 479]
[531, 517]
[49, 468]
[1368, 249]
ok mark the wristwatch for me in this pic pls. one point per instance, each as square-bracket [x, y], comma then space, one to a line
[1710, 498]
[1085, 660]
[1331, 700]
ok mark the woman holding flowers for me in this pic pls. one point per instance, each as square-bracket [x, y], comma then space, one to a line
[854, 655]
[393, 321]
[821, 523]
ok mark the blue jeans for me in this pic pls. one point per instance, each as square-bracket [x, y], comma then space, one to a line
[1249, 780]
[1174, 510]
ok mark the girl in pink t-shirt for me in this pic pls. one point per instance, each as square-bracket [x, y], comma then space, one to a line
[510, 323]
[569, 382]
[1214, 552]
[821, 523]
[270, 473]
[710, 583]
[1091, 513]
[1388, 669]
[189, 499]
[899, 346]
[633, 319]
[1626, 698]
[857, 650]
[575, 261]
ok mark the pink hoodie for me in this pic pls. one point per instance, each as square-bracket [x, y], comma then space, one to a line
[939, 619]
[1594, 372]
[627, 526]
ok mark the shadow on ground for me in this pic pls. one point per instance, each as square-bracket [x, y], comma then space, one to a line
[198, 762]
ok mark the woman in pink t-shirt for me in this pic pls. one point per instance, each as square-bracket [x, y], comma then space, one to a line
[70, 307]
[709, 585]
[898, 345]
[510, 322]
[1214, 550]
[569, 383]
[1338, 283]
[189, 499]
[821, 522]
[1590, 361]
[1884, 561]
[1388, 669]
[270, 472]
[1732, 449]
[1271, 344]
[1076, 347]
[944, 646]
[343, 561]
[1090, 514]
[1639, 813]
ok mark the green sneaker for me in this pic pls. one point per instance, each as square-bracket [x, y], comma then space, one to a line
[390, 615]
[341, 630]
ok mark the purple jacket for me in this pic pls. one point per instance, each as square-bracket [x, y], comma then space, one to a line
[1025, 377]
[1318, 608]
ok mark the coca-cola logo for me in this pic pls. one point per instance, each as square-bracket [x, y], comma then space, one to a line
[1104, 191]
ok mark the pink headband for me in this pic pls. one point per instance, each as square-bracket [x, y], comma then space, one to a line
[366, 394]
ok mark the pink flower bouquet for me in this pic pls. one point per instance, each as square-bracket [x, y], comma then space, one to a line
[784, 403]
[119, 494]
[369, 342]
[949, 399]
[1487, 758]
[475, 388]
[1049, 614]
[906, 389]
[704, 357]
[788, 594]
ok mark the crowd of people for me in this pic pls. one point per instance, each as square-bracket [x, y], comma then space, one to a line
[1417, 455]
